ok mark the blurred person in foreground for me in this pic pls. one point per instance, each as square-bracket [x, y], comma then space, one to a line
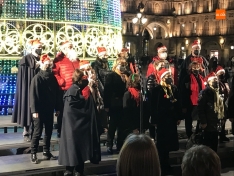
[138, 157]
[201, 161]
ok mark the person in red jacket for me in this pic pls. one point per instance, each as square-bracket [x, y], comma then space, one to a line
[162, 55]
[65, 64]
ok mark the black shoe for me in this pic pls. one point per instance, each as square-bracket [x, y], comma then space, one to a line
[78, 174]
[49, 156]
[27, 139]
[58, 135]
[34, 159]
[68, 173]
[224, 139]
[109, 150]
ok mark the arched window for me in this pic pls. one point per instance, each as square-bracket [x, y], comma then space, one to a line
[206, 28]
[156, 8]
[186, 8]
[179, 9]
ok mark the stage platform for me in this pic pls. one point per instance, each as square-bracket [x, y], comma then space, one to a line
[19, 165]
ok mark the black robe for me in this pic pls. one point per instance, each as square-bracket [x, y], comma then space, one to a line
[165, 115]
[79, 140]
[26, 71]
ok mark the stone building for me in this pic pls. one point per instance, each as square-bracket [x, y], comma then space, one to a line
[177, 23]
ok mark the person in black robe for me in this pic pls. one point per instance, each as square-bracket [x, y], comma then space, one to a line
[28, 68]
[131, 107]
[166, 115]
[113, 103]
[80, 139]
[44, 99]
[101, 67]
[184, 69]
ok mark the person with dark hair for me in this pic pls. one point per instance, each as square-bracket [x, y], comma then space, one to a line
[201, 160]
[189, 90]
[131, 107]
[196, 49]
[101, 67]
[44, 99]
[211, 111]
[113, 102]
[28, 68]
[224, 92]
[166, 115]
[138, 157]
[79, 138]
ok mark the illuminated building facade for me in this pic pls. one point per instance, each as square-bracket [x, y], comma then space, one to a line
[176, 23]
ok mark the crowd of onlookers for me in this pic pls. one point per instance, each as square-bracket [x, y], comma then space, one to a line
[92, 98]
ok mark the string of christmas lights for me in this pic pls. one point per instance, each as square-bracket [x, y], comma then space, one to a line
[95, 11]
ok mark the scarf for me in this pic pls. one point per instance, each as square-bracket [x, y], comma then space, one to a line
[218, 103]
[168, 92]
[86, 92]
[195, 88]
[135, 94]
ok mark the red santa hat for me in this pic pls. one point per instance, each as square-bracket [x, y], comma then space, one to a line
[124, 50]
[219, 70]
[101, 51]
[196, 43]
[163, 72]
[34, 42]
[198, 60]
[45, 59]
[161, 47]
[84, 64]
[209, 77]
[66, 43]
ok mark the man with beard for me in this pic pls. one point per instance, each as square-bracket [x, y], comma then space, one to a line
[44, 99]
[196, 49]
[28, 68]
[65, 64]
[114, 90]
[101, 67]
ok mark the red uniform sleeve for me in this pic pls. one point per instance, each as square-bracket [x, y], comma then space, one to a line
[56, 71]
[150, 70]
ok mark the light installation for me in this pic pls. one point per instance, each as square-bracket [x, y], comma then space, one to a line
[87, 23]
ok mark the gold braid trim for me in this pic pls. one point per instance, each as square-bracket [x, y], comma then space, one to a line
[168, 94]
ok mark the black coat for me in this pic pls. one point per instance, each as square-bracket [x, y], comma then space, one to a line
[79, 140]
[165, 115]
[206, 111]
[131, 113]
[185, 65]
[44, 93]
[26, 71]
[101, 72]
[114, 91]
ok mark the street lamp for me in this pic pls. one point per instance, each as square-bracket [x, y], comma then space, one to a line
[232, 47]
[140, 19]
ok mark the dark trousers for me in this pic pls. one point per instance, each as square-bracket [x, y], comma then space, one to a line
[189, 122]
[79, 168]
[222, 134]
[152, 131]
[60, 117]
[47, 121]
[163, 153]
[114, 124]
[211, 140]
